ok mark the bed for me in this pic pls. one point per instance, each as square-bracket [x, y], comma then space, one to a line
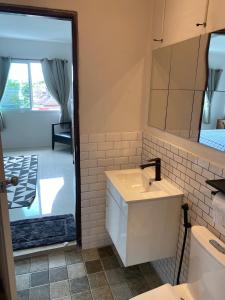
[214, 138]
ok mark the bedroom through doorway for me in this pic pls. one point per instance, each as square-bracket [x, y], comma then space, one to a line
[37, 118]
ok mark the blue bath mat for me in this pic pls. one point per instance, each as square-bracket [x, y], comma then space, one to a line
[30, 233]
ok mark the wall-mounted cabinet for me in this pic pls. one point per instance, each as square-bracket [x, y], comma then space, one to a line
[176, 20]
[215, 19]
[158, 22]
[181, 19]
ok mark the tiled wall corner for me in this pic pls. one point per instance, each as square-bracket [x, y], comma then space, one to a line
[189, 172]
[101, 152]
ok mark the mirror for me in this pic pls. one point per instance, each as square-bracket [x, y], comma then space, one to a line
[212, 131]
[187, 95]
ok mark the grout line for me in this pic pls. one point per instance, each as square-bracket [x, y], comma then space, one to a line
[108, 286]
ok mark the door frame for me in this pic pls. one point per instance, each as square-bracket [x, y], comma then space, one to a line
[73, 17]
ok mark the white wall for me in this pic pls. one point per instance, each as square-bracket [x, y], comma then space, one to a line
[114, 51]
[30, 128]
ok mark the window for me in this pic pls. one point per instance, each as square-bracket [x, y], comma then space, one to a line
[26, 88]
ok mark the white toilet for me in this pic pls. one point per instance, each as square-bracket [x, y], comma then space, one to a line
[206, 277]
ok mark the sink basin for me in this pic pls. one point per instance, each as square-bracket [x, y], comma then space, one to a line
[139, 185]
[137, 181]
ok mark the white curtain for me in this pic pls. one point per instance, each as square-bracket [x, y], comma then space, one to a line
[4, 72]
[56, 77]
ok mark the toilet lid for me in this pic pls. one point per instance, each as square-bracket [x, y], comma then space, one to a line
[164, 292]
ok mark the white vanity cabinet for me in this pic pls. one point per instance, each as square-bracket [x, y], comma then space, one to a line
[142, 230]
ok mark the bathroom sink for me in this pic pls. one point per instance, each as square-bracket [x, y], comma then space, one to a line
[139, 185]
[142, 215]
[138, 182]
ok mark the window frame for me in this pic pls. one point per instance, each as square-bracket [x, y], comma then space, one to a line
[28, 63]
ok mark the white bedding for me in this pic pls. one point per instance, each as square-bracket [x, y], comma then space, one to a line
[213, 138]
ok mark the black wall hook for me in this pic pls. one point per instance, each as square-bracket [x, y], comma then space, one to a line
[201, 24]
[158, 40]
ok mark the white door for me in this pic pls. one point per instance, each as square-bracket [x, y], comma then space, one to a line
[7, 271]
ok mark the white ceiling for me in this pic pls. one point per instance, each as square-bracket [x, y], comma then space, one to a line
[35, 28]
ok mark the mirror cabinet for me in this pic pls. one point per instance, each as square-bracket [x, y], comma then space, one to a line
[187, 96]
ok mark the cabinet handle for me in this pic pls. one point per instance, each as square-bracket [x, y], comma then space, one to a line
[158, 40]
[201, 24]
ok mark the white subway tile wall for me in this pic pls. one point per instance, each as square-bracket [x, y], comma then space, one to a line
[189, 172]
[108, 151]
[101, 152]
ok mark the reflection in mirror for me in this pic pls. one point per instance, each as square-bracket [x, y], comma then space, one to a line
[212, 131]
[196, 115]
[184, 64]
[160, 68]
[157, 108]
[179, 112]
[188, 89]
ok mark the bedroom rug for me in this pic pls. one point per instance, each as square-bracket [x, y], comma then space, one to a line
[30, 233]
[24, 167]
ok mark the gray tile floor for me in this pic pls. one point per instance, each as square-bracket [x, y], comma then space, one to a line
[95, 274]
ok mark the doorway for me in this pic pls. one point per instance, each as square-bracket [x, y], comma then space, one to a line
[60, 149]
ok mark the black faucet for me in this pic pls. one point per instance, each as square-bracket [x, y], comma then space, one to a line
[155, 162]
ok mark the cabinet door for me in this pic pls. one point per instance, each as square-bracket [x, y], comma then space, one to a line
[116, 225]
[157, 25]
[181, 19]
[216, 15]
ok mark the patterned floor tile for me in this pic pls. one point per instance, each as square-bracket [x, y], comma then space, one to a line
[22, 282]
[154, 281]
[76, 270]
[90, 254]
[132, 272]
[82, 296]
[106, 279]
[73, 257]
[40, 293]
[59, 289]
[105, 251]
[110, 262]
[39, 278]
[115, 276]
[57, 259]
[79, 285]
[97, 280]
[121, 292]
[58, 274]
[147, 268]
[23, 295]
[39, 263]
[138, 285]
[22, 266]
[103, 293]
[93, 266]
